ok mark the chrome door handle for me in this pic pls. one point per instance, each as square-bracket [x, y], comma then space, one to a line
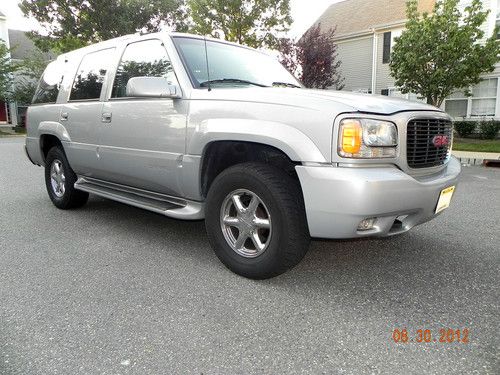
[106, 117]
[64, 116]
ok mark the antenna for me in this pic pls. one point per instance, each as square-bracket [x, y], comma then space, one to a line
[208, 68]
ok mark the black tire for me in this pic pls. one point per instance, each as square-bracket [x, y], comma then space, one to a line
[70, 197]
[282, 197]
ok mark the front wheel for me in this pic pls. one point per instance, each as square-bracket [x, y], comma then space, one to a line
[60, 180]
[256, 221]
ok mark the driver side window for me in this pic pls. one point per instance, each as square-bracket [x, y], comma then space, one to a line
[142, 59]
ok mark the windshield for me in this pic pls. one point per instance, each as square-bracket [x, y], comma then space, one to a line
[231, 65]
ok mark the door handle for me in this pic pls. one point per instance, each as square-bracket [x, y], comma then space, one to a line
[106, 117]
[64, 116]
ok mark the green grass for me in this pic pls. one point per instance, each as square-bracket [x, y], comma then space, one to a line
[476, 145]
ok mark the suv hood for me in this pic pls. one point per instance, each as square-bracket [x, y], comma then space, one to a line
[315, 99]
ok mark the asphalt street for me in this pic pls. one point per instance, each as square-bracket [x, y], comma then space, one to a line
[111, 289]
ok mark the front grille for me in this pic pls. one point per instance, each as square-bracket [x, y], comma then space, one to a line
[423, 148]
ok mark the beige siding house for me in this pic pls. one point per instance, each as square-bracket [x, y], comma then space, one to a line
[366, 32]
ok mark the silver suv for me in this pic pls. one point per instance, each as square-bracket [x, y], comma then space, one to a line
[196, 128]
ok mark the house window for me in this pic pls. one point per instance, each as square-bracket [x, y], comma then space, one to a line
[395, 92]
[482, 101]
[386, 54]
[484, 98]
[456, 107]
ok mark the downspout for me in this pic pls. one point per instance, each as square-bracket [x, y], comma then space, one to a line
[374, 62]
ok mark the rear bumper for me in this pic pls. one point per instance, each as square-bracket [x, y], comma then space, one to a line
[338, 199]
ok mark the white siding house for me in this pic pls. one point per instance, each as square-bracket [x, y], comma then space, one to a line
[366, 32]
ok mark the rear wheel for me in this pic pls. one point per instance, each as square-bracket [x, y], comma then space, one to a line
[256, 221]
[60, 180]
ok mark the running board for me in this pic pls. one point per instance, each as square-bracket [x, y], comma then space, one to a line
[163, 204]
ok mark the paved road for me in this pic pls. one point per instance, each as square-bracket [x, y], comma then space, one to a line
[110, 289]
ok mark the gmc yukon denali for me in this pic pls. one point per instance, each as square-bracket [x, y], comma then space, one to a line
[195, 128]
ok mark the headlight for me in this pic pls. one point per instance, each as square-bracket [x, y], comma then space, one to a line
[366, 138]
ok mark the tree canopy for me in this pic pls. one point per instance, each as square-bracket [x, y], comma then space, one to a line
[6, 70]
[441, 52]
[71, 24]
[31, 69]
[255, 23]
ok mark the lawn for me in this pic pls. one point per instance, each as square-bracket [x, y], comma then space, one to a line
[476, 145]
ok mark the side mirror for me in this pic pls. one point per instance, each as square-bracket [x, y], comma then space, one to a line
[151, 87]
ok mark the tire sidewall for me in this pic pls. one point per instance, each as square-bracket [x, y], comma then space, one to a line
[270, 260]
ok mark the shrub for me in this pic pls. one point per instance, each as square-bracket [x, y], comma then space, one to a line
[489, 129]
[465, 128]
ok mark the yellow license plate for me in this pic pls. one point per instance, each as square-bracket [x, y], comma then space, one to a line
[445, 199]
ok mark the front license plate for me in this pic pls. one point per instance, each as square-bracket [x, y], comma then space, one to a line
[445, 199]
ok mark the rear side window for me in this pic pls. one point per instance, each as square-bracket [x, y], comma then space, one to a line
[147, 58]
[90, 75]
[49, 84]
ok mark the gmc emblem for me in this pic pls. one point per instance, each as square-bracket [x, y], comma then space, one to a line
[440, 141]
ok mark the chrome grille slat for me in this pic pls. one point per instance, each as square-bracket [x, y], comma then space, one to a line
[420, 150]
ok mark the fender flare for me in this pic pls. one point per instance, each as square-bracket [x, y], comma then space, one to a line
[53, 128]
[295, 144]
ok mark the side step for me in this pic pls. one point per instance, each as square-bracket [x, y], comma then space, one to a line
[163, 204]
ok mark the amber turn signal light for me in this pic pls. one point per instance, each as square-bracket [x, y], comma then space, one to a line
[351, 136]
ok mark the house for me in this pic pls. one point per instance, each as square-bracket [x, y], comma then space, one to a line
[365, 34]
[21, 48]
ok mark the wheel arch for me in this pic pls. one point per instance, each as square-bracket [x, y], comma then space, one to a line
[220, 155]
[51, 134]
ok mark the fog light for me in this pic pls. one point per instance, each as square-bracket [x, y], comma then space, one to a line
[367, 224]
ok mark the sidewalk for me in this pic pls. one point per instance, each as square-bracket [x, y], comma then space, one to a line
[475, 158]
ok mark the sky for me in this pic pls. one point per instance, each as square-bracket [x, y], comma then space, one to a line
[304, 13]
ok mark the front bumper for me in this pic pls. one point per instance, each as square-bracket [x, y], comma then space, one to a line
[337, 199]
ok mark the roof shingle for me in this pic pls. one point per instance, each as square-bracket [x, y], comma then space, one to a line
[22, 46]
[356, 16]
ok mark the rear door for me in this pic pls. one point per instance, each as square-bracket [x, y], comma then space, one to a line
[81, 115]
[142, 140]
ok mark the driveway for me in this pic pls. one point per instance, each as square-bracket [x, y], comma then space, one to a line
[110, 289]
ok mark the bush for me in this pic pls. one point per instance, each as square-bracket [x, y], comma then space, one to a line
[465, 128]
[489, 129]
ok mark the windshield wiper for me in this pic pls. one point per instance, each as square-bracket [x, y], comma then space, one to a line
[230, 80]
[286, 84]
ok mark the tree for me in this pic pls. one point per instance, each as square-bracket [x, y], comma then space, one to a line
[71, 24]
[442, 52]
[7, 68]
[313, 59]
[31, 69]
[255, 23]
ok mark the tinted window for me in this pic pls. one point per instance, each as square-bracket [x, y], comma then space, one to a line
[142, 59]
[90, 75]
[48, 86]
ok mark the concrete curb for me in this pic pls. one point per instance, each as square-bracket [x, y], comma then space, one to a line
[475, 158]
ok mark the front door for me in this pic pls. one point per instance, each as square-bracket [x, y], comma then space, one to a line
[142, 140]
[3, 111]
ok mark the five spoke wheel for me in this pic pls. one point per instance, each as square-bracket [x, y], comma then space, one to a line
[246, 223]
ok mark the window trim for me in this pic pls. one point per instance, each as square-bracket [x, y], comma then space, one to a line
[109, 92]
[104, 84]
